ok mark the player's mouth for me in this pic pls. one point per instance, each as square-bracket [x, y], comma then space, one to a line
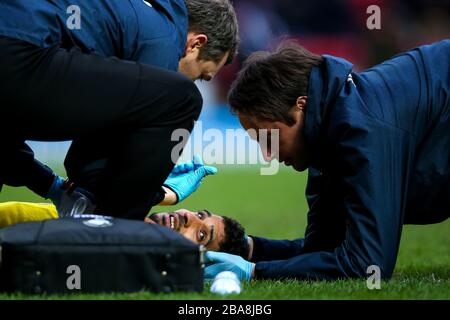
[171, 220]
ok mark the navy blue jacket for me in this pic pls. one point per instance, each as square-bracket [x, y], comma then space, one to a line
[152, 32]
[380, 158]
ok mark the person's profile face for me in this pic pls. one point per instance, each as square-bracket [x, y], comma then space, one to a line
[201, 227]
[291, 146]
[198, 69]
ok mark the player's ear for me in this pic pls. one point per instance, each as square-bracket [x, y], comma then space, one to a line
[201, 40]
[301, 103]
[299, 110]
[195, 42]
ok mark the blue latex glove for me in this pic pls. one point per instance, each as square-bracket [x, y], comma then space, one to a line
[70, 200]
[56, 191]
[219, 261]
[187, 177]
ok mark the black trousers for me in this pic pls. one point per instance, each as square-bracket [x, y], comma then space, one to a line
[119, 114]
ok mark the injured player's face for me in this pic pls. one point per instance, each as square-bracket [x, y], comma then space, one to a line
[216, 233]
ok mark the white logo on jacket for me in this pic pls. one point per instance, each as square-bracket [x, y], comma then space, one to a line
[148, 3]
[98, 223]
[350, 79]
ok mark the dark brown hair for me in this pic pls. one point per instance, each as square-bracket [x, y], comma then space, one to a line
[270, 83]
[234, 241]
[217, 20]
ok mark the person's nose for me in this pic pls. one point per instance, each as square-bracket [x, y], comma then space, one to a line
[189, 219]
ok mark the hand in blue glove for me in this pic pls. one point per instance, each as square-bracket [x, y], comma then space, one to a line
[189, 166]
[219, 261]
[187, 177]
[70, 200]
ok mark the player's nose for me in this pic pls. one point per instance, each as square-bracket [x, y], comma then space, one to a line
[189, 218]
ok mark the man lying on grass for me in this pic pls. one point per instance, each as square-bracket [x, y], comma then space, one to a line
[214, 232]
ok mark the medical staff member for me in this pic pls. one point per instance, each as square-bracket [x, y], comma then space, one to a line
[377, 146]
[102, 73]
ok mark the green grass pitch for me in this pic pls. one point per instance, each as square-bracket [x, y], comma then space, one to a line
[275, 206]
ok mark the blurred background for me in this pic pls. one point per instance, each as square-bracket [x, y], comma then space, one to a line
[275, 206]
[338, 27]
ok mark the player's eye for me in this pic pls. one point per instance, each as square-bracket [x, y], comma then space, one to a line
[201, 236]
[201, 215]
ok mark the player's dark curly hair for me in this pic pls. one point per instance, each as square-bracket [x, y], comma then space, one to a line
[234, 241]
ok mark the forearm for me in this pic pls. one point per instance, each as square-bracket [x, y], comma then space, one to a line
[262, 249]
[311, 266]
[341, 263]
[170, 198]
[34, 175]
[41, 179]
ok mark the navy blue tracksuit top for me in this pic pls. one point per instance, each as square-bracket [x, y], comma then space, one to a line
[152, 32]
[380, 145]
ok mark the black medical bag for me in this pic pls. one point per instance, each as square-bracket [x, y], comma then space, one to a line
[97, 254]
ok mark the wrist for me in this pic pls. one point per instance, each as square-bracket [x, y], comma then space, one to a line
[56, 190]
[170, 197]
[251, 273]
[250, 248]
